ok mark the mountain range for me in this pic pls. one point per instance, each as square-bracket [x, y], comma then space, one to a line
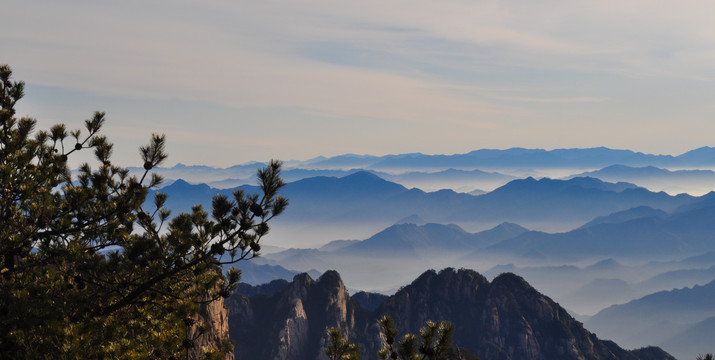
[366, 199]
[591, 238]
[657, 179]
[649, 242]
[519, 158]
[413, 240]
[665, 318]
[466, 172]
[503, 319]
[678, 234]
[589, 289]
[574, 158]
[634, 235]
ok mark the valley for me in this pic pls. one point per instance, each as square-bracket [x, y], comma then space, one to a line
[590, 241]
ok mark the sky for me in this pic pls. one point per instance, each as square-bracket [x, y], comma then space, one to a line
[230, 82]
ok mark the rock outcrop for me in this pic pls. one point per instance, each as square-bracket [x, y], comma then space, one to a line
[214, 315]
[290, 324]
[506, 319]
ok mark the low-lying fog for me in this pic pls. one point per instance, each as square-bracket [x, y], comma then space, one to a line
[584, 286]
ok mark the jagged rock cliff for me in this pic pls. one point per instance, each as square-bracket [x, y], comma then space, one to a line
[290, 324]
[506, 319]
[214, 315]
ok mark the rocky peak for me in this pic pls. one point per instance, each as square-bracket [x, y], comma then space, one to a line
[435, 296]
[298, 289]
[331, 278]
[331, 298]
[293, 323]
[506, 319]
[535, 326]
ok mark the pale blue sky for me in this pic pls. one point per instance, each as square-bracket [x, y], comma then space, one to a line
[234, 81]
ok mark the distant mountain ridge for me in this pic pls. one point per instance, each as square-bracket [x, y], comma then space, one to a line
[364, 196]
[643, 234]
[645, 171]
[513, 158]
[673, 181]
[626, 215]
[407, 239]
[663, 318]
[652, 234]
[597, 157]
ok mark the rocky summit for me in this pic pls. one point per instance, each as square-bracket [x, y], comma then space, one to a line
[505, 319]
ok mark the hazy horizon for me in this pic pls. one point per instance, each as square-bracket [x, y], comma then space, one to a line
[231, 82]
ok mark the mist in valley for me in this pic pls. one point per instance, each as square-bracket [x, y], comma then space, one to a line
[590, 238]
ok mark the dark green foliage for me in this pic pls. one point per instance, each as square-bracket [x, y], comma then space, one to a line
[705, 357]
[434, 343]
[339, 348]
[87, 270]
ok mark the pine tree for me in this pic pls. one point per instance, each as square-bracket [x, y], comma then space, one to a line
[340, 348]
[434, 342]
[88, 269]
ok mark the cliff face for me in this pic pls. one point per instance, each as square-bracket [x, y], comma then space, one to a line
[292, 323]
[506, 319]
[216, 337]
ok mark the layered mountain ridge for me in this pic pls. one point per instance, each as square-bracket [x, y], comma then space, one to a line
[681, 320]
[375, 203]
